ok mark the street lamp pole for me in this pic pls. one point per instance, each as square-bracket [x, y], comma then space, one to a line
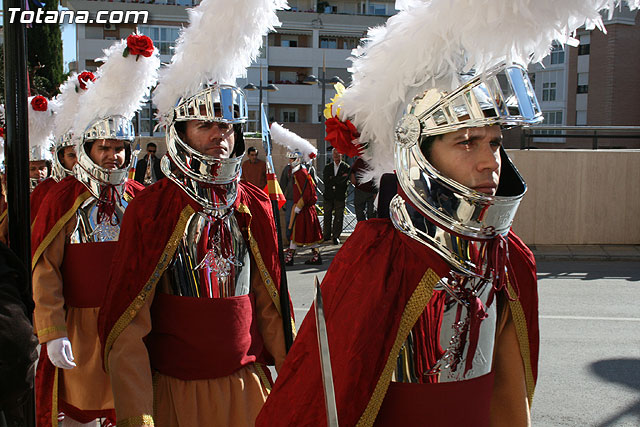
[324, 129]
[260, 101]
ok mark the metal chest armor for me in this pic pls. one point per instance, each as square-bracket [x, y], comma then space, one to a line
[88, 230]
[212, 259]
[467, 310]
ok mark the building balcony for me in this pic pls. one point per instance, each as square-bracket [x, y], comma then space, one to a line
[291, 94]
[308, 57]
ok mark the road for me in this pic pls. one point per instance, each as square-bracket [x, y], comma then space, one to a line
[590, 339]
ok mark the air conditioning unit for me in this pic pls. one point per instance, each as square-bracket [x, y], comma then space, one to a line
[109, 27]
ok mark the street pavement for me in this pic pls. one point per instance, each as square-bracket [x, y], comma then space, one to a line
[589, 371]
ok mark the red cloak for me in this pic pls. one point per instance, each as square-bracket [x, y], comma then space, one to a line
[58, 206]
[158, 218]
[38, 194]
[378, 285]
[306, 229]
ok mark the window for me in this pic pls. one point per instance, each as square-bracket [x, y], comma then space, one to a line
[585, 44]
[583, 83]
[349, 43]
[557, 54]
[551, 118]
[146, 119]
[584, 49]
[163, 37]
[549, 91]
[289, 41]
[377, 9]
[288, 77]
[328, 43]
[252, 122]
[289, 115]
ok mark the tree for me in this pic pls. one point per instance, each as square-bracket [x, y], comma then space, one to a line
[44, 50]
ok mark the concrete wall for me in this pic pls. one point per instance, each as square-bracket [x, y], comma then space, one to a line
[579, 197]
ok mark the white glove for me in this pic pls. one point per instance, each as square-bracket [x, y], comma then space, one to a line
[60, 354]
[297, 210]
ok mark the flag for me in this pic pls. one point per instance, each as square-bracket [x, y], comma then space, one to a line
[134, 162]
[274, 191]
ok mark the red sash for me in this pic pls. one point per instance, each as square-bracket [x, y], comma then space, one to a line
[85, 273]
[203, 338]
[453, 404]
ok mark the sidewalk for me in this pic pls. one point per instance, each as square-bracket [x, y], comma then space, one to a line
[586, 252]
[563, 252]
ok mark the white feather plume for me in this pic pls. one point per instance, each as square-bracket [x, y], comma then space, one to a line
[40, 132]
[292, 141]
[429, 42]
[223, 38]
[65, 106]
[121, 87]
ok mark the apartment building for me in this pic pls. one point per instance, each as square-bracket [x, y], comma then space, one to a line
[314, 37]
[594, 84]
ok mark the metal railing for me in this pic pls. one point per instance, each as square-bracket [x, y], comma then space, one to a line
[593, 133]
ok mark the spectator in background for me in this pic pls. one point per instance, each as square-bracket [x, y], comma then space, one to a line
[254, 170]
[148, 168]
[286, 184]
[365, 193]
[336, 180]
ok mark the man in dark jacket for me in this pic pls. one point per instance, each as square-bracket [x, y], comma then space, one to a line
[148, 168]
[336, 180]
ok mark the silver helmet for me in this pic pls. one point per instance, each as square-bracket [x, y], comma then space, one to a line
[59, 171]
[105, 111]
[93, 176]
[210, 180]
[501, 96]
[297, 159]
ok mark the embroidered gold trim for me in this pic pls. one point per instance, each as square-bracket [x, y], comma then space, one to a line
[520, 321]
[127, 197]
[51, 329]
[414, 308]
[263, 376]
[58, 226]
[139, 301]
[54, 399]
[140, 420]
[300, 202]
[264, 273]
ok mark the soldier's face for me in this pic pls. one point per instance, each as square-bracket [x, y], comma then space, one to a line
[38, 170]
[470, 157]
[108, 153]
[210, 138]
[68, 157]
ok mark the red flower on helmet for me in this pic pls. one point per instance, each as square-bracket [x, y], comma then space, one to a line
[343, 136]
[138, 44]
[39, 103]
[84, 77]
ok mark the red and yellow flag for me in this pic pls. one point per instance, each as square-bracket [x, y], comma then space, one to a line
[274, 191]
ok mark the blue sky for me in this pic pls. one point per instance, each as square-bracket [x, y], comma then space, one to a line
[68, 43]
